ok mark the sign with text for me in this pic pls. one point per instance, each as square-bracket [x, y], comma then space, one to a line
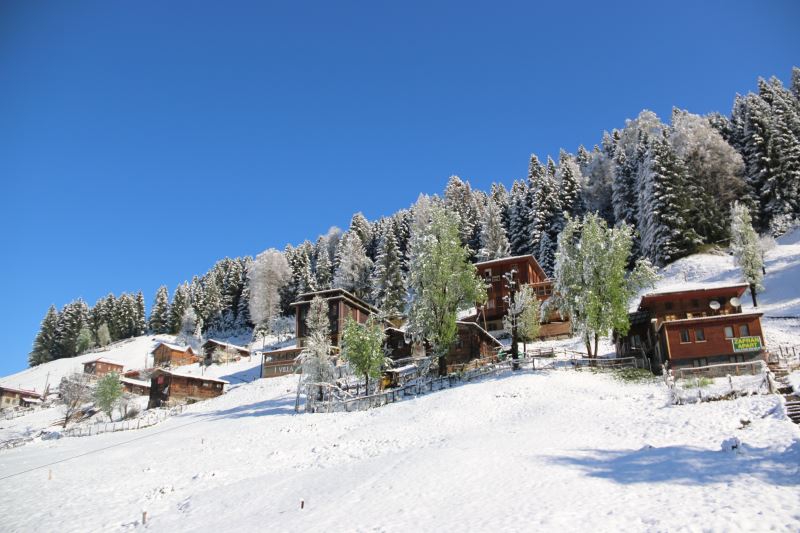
[746, 344]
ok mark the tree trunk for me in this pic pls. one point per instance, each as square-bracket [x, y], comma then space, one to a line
[753, 294]
[588, 344]
[596, 339]
[366, 384]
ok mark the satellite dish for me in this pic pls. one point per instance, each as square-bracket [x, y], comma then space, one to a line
[736, 302]
[713, 304]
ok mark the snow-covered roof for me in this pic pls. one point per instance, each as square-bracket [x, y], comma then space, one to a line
[175, 347]
[137, 382]
[505, 259]
[694, 286]
[228, 345]
[193, 376]
[700, 319]
[403, 369]
[20, 391]
[104, 360]
[28, 399]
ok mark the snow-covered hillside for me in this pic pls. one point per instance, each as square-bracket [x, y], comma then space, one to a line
[545, 452]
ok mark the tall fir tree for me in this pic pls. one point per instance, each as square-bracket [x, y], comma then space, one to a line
[355, 268]
[388, 290]
[494, 243]
[45, 344]
[520, 219]
[159, 315]
[180, 302]
[549, 211]
[570, 183]
[140, 316]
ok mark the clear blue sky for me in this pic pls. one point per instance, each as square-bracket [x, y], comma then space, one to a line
[142, 141]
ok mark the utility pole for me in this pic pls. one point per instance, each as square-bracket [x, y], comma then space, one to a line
[509, 279]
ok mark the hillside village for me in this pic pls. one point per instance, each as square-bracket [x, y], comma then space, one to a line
[615, 326]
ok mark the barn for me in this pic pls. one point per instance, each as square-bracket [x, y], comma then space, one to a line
[173, 355]
[169, 387]
[101, 367]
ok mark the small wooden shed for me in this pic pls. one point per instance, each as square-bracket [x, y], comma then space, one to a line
[135, 386]
[211, 346]
[173, 355]
[168, 387]
[100, 367]
[10, 398]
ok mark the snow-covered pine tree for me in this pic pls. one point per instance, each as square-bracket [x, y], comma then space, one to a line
[355, 268]
[599, 172]
[323, 266]
[570, 184]
[388, 289]
[796, 83]
[72, 318]
[45, 344]
[520, 218]
[535, 200]
[714, 173]
[180, 301]
[364, 229]
[460, 199]
[159, 314]
[499, 195]
[549, 211]
[140, 316]
[664, 225]
[402, 231]
[494, 243]
[746, 250]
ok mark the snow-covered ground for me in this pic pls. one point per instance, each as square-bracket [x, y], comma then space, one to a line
[520, 452]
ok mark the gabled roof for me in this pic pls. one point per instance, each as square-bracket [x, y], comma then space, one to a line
[175, 347]
[137, 382]
[21, 392]
[481, 331]
[515, 259]
[689, 290]
[333, 294]
[104, 360]
[187, 375]
[227, 345]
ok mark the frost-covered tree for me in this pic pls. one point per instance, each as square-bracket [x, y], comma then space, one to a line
[599, 171]
[522, 318]
[140, 315]
[746, 250]
[460, 199]
[520, 212]
[592, 285]
[550, 213]
[714, 173]
[664, 206]
[107, 393]
[159, 315]
[570, 183]
[362, 347]
[355, 268]
[323, 266]
[180, 302]
[494, 243]
[84, 340]
[535, 203]
[442, 282]
[499, 195]
[388, 289]
[45, 344]
[362, 227]
[74, 391]
[190, 333]
[103, 335]
[267, 275]
[315, 358]
[71, 320]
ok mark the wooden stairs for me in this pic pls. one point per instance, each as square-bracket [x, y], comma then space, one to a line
[792, 405]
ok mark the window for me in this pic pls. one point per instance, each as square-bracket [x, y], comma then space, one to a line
[684, 335]
[699, 335]
[490, 304]
[668, 306]
[728, 332]
[695, 302]
[702, 361]
[636, 341]
[744, 331]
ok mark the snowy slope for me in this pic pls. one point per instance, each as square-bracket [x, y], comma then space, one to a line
[133, 353]
[524, 452]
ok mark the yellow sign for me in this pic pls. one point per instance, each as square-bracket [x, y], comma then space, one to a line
[746, 344]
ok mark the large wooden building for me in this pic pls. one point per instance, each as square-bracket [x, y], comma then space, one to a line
[101, 367]
[341, 305]
[526, 271]
[171, 355]
[693, 326]
[169, 387]
[11, 398]
[279, 362]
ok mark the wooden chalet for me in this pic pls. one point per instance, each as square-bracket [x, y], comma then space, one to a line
[172, 355]
[693, 326]
[472, 342]
[139, 387]
[341, 305]
[169, 387]
[101, 367]
[11, 398]
[211, 346]
[526, 271]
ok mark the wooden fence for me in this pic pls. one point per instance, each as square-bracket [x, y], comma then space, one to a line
[335, 399]
[151, 418]
[10, 414]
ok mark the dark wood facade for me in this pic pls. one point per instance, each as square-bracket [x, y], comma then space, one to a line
[168, 388]
[171, 355]
[101, 367]
[11, 398]
[135, 386]
[693, 327]
[527, 271]
[211, 346]
[279, 362]
[341, 305]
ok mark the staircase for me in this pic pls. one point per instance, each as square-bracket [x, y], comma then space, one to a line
[792, 405]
